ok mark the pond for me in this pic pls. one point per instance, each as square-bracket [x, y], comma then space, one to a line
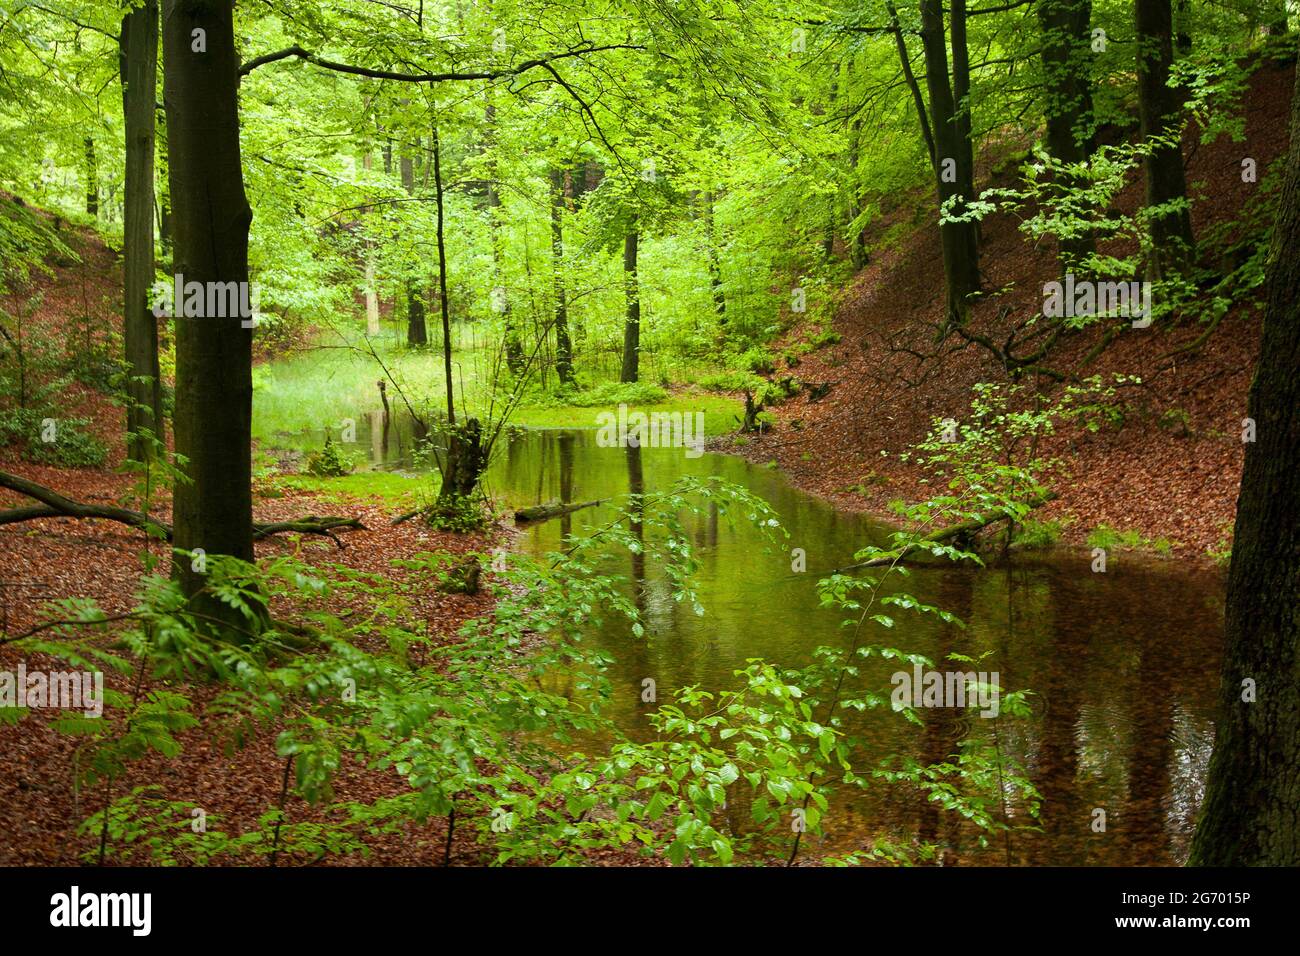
[1123, 665]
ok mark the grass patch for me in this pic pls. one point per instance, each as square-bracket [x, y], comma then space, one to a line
[720, 412]
[1109, 539]
[388, 486]
[1037, 535]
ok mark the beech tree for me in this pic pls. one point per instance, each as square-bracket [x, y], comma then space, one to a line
[1249, 814]
[1172, 246]
[213, 509]
[139, 66]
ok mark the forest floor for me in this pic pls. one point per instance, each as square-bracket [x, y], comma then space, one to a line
[103, 560]
[1171, 470]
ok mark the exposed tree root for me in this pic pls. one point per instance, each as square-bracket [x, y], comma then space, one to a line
[55, 505]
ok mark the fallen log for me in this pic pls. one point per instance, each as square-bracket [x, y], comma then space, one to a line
[961, 529]
[551, 509]
[55, 505]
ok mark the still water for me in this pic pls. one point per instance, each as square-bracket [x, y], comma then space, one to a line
[1123, 665]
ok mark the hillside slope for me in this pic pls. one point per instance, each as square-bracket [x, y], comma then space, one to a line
[1170, 470]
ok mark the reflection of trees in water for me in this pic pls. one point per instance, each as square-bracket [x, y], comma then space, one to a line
[636, 513]
[1062, 815]
[565, 444]
[944, 726]
[1117, 662]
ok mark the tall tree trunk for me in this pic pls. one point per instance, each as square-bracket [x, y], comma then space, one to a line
[715, 264]
[1183, 35]
[960, 248]
[162, 192]
[961, 99]
[444, 305]
[1172, 247]
[92, 179]
[563, 345]
[500, 300]
[1249, 816]
[1275, 22]
[417, 334]
[905, 61]
[214, 356]
[138, 65]
[1068, 99]
[632, 326]
[372, 296]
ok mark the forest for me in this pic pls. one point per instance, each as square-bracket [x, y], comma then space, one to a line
[649, 433]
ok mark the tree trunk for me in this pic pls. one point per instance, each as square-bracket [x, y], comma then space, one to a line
[444, 305]
[500, 300]
[715, 265]
[162, 192]
[563, 344]
[92, 179]
[211, 217]
[961, 100]
[1068, 100]
[1275, 23]
[138, 68]
[417, 334]
[1172, 246]
[372, 297]
[905, 61]
[632, 326]
[960, 250]
[1249, 817]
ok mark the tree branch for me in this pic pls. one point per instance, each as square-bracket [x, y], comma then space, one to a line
[299, 53]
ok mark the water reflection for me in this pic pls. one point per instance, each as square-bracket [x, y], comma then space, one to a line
[1123, 665]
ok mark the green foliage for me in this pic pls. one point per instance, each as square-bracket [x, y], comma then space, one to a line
[69, 446]
[732, 382]
[27, 240]
[331, 461]
[1037, 535]
[611, 393]
[459, 513]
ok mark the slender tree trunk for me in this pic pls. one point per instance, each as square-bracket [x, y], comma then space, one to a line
[92, 179]
[138, 68]
[417, 333]
[563, 345]
[632, 326]
[1250, 816]
[1276, 23]
[960, 247]
[162, 192]
[443, 303]
[715, 264]
[905, 61]
[372, 296]
[1068, 99]
[961, 98]
[1172, 247]
[500, 299]
[1183, 36]
[214, 357]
